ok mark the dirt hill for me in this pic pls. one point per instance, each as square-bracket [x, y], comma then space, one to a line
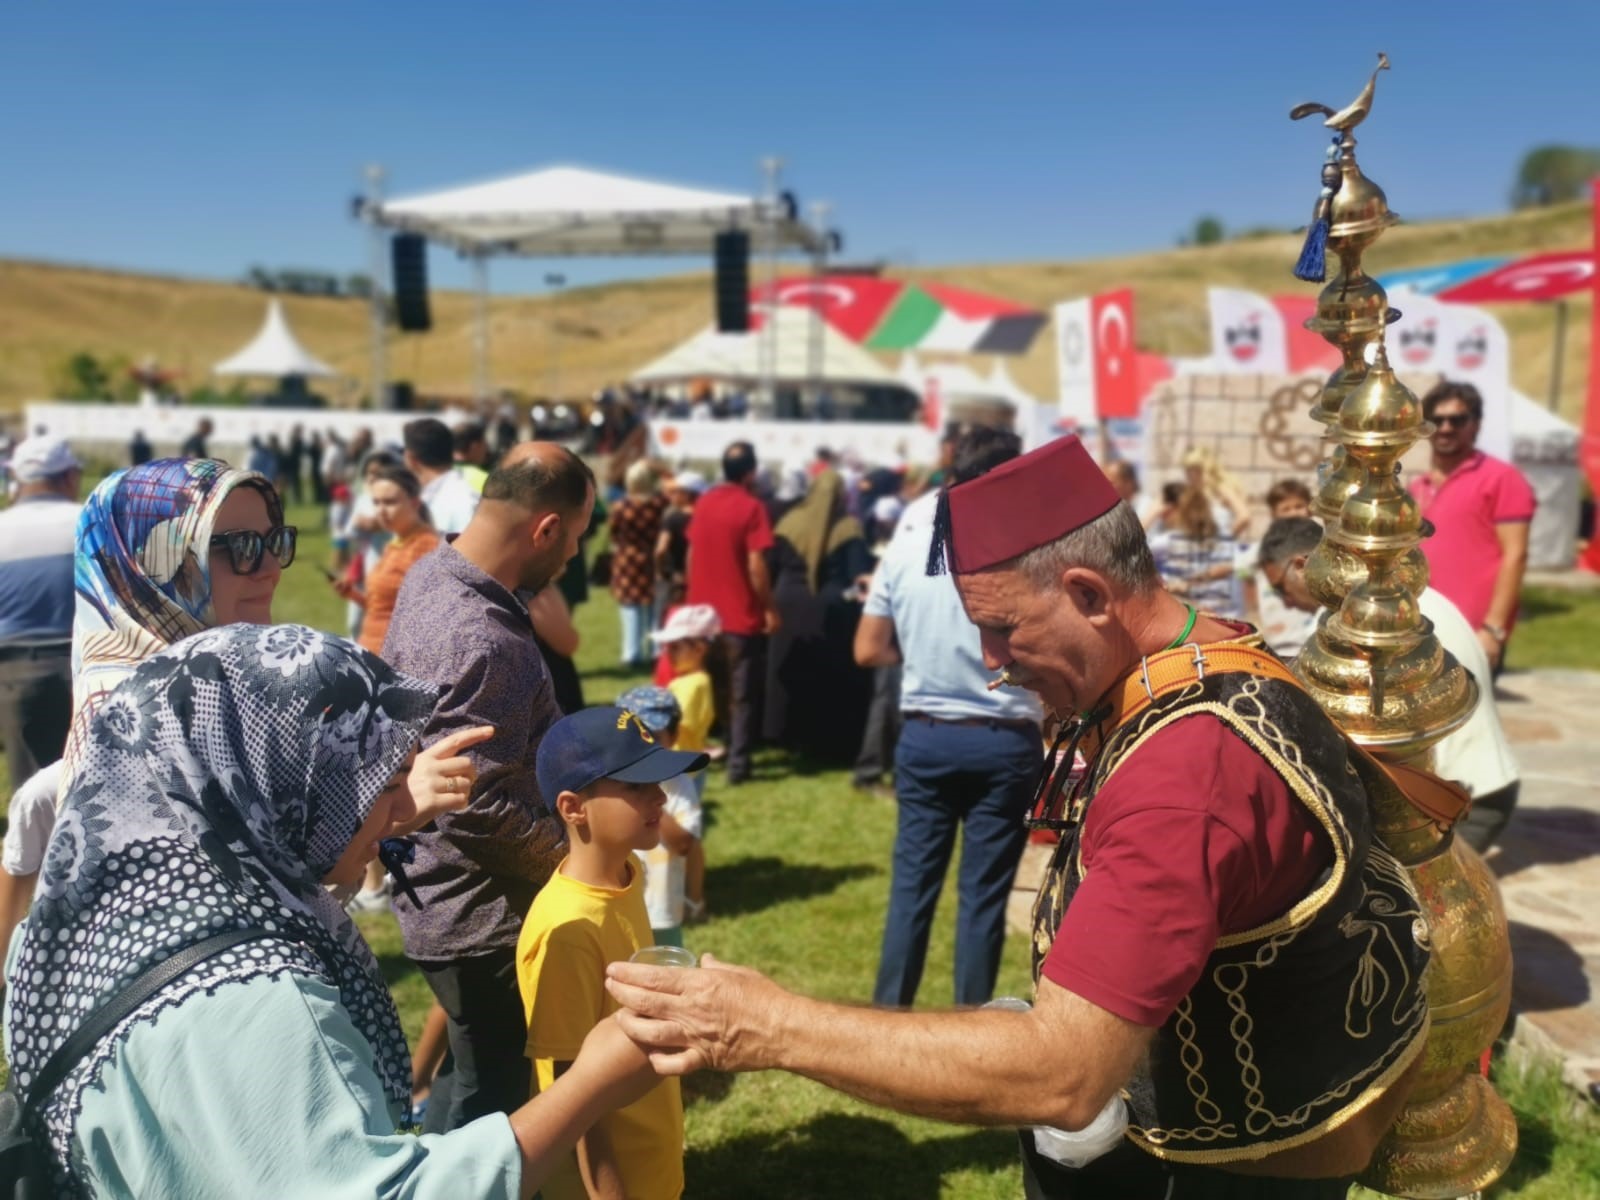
[49, 312]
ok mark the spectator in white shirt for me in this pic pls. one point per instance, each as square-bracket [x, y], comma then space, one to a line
[430, 453]
[1477, 755]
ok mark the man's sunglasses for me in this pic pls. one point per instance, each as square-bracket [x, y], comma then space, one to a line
[246, 547]
[1453, 420]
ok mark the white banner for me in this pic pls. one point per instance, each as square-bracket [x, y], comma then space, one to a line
[1075, 361]
[795, 443]
[1247, 334]
[1461, 343]
[232, 427]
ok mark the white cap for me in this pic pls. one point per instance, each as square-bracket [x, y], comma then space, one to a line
[42, 457]
[691, 622]
[689, 481]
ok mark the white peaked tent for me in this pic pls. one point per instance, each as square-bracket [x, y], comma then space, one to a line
[737, 356]
[1545, 449]
[274, 352]
[573, 211]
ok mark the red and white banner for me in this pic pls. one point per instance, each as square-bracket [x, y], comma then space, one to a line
[1589, 446]
[1248, 334]
[1541, 277]
[1095, 358]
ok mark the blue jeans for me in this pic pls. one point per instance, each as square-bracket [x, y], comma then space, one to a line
[979, 778]
[635, 626]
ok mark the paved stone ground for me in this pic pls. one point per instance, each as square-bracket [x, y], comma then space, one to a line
[1548, 861]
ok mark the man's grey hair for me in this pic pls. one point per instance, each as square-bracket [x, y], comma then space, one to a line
[1113, 545]
[1286, 538]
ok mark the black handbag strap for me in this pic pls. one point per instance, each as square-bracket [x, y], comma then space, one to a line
[105, 1018]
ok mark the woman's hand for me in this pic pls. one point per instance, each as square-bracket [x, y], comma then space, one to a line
[347, 589]
[441, 778]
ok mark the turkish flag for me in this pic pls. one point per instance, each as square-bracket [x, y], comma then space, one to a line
[1116, 377]
[1540, 277]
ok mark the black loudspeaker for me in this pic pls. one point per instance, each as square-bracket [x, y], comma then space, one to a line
[733, 282]
[409, 255]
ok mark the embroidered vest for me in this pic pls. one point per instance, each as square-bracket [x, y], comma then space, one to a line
[1297, 1024]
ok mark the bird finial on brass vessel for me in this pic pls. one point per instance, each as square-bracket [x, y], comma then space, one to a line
[1351, 114]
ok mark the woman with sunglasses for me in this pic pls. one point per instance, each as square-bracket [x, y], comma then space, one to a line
[165, 550]
[397, 502]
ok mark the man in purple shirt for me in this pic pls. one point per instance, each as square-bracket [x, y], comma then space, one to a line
[461, 621]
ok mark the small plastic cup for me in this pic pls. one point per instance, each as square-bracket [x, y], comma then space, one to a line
[1010, 1004]
[664, 956]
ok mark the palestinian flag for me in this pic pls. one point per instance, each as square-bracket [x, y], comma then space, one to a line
[891, 314]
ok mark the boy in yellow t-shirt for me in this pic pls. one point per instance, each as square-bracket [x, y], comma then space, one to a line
[602, 771]
[687, 637]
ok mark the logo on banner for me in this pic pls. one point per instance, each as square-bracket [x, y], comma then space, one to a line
[1473, 349]
[1072, 343]
[1417, 343]
[1244, 339]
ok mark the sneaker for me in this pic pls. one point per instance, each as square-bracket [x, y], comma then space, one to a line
[366, 901]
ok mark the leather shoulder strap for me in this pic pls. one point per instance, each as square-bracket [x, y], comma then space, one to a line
[1441, 800]
[105, 1018]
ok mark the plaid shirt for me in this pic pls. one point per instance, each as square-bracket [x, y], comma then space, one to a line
[477, 870]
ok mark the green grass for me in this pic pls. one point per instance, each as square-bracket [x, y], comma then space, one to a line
[1559, 627]
[798, 883]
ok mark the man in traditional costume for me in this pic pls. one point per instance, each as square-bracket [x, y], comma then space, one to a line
[1219, 941]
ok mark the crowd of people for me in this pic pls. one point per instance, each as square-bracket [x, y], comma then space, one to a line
[200, 786]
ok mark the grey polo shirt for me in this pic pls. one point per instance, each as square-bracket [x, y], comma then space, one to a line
[477, 870]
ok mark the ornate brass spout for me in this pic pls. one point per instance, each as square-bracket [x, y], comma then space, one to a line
[1376, 668]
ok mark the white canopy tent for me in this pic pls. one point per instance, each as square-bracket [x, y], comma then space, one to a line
[274, 352]
[562, 211]
[565, 211]
[736, 357]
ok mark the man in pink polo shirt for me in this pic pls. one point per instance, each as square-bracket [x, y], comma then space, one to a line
[1480, 508]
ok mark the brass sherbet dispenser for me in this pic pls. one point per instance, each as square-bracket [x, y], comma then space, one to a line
[1377, 669]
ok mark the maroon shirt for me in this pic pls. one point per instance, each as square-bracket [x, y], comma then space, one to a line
[1192, 838]
[728, 525]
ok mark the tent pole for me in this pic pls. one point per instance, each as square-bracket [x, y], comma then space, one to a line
[480, 330]
[771, 167]
[377, 302]
[1560, 355]
[819, 271]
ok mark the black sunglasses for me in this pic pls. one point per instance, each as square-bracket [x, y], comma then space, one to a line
[1453, 420]
[246, 547]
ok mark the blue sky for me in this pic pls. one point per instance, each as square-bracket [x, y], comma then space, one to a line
[200, 138]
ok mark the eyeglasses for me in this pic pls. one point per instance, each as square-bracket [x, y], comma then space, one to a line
[246, 547]
[1453, 420]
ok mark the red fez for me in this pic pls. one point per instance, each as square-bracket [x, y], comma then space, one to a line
[1024, 504]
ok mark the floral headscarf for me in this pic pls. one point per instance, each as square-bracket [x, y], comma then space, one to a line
[220, 782]
[143, 572]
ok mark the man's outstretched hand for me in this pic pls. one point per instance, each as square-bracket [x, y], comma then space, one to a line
[719, 1016]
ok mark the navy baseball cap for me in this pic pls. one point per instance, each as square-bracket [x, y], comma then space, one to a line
[606, 743]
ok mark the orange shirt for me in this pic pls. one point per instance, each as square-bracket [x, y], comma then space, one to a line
[383, 584]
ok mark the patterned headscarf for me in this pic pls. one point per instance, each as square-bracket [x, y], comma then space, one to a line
[143, 570]
[221, 781]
